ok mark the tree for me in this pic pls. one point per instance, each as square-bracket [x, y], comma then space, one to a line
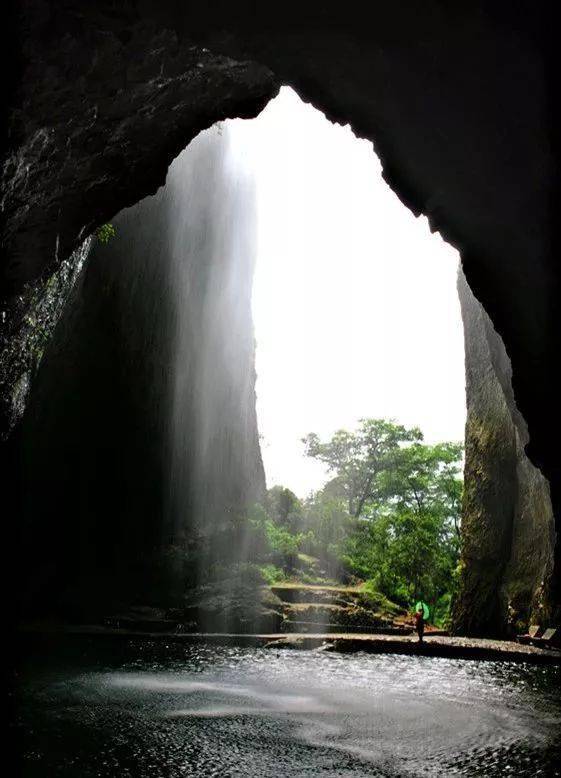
[284, 507]
[359, 459]
[327, 525]
[403, 500]
[424, 500]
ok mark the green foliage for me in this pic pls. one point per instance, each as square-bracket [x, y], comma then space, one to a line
[360, 460]
[105, 232]
[388, 520]
[442, 609]
[284, 508]
[280, 541]
[402, 499]
[272, 574]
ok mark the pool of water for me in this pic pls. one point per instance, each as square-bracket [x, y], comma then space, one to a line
[149, 709]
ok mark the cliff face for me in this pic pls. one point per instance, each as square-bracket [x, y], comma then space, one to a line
[507, 526]
[141, 431]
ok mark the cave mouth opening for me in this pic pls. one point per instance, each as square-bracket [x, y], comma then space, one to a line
[275, 287]
[351, 292]
[357, 324]
[107, 491]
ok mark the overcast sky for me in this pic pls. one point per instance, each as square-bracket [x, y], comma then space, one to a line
[355, 304]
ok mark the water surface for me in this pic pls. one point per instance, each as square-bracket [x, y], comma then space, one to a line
[147, 709]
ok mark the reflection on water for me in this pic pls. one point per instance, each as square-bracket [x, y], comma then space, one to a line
[156, 710]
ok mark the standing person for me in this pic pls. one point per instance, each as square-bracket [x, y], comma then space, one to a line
[420, 622]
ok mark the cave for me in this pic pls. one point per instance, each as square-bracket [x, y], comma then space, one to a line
[103, 99]
[459, 104]
[141, 423]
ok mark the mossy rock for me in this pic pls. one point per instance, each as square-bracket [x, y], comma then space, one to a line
[234, 605]
[351, 616]
[305, 594]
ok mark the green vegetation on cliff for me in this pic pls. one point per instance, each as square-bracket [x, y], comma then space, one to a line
[105, 232]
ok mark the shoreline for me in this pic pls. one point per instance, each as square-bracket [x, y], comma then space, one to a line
[482, 649]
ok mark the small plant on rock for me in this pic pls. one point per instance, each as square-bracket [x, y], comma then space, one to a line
[105, 232]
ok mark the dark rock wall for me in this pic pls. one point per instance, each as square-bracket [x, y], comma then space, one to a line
[111, 98]
[114, 457]
[34, 317]
[507, 526]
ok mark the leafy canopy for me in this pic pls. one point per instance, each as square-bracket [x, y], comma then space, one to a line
[388, 517]
[361, 460]
[402, 499]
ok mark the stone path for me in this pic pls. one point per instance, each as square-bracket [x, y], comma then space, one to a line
[437, 646]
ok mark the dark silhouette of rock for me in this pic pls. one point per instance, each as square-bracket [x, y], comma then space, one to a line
[508, 529]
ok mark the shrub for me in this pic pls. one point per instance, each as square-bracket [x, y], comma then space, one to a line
[105, 232]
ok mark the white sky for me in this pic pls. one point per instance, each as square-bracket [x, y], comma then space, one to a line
[355, 305]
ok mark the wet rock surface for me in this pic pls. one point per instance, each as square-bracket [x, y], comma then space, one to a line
[27, 333]
[508, 528]
[233, 606]
[307, 608]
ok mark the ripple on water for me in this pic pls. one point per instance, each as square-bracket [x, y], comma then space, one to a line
[200, 710]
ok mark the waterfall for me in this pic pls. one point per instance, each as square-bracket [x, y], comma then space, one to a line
[215, 469]
[141, 443]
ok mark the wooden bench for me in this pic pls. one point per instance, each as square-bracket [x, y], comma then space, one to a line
[530, 635]
[549, 638]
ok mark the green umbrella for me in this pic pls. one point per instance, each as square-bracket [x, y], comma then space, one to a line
[425, 608]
